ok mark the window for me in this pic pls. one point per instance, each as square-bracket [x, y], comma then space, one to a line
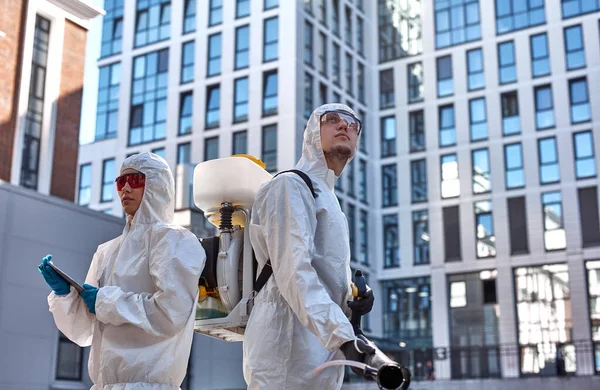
[445, 86]
[544, 108]
[240, 110]
[417, 131]
[153, 22]
[361, 83]
[418, 176]
[572, 8]
[269, 93]
[242, 47]
[513, 166]
[456, 23]
[554, 231]
[478, 119]
[69, 359]
[322, 94]
[148, 114]
[112, 28]
[348, 26]
[211, 148]
[308, 43]
[588, 217]
[240, 142]
[481, 171]
[308, 4]
[308, 95]
[242, 8]
[85, 184]
[507, 70]
[548, 156]
[362, 145]
[323, 54]
[269, 147]
[184, 153]
[339, 187]
[32, 138]
[322, 6]
[386, 89]
[400, 29]
[420, 230]
[540, 57]
[484, 228]
[350, 174]
[108, 180]
[160, 152]
[336, 97]
[451, 221]
[407, 314]
[363, 195]
[108, 102]
[545, 322]
[593, 284]
[271, 39]
[517, 226]
[360, 39]
[447, 129]
[580, 103]
[389, 185]
[336, 77]
[511, 124]
[349, 76]
[388, 136]
[271, 4]
[391, 242]
[450, 181]
[474, 325]
[415, 83]
[518, 14]
[215, 13]
[575, 52]
[189, 16]
[585, 162]
[335, 17]
[363, 256]
[185, 113]
[475, 73]
[351, 217]
[213, 106]
[187, 62]
[213, 66]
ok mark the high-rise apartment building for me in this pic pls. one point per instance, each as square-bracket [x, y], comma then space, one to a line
[486, 261]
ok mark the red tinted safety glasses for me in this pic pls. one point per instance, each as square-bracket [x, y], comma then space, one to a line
[135, 180]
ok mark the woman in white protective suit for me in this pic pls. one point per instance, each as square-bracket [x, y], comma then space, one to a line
[147, 284]
[300, 317]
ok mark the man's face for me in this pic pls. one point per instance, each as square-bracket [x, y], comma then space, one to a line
[339, 134]
[131, 198]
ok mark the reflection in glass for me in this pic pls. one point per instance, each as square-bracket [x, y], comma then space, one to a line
[447, 129]
[554, 231]
[450, 181]
[399, 29]
[481, 171]
[585, 162]
[421, 236]
[484, 229]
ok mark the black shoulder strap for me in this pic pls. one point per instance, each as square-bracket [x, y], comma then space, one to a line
[304, 177]
[267, 270]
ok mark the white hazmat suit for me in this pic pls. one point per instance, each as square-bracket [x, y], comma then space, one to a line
[147, 277]
[300, 317]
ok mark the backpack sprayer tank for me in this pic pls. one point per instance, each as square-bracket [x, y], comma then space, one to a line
[224, 189]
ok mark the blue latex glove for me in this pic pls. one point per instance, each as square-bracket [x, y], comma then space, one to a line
[54, 280]
[89, 297]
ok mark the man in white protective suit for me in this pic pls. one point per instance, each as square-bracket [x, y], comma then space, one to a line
[138, 308]
[300, 317]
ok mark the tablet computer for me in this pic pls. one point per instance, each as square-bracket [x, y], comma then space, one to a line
[66, 277]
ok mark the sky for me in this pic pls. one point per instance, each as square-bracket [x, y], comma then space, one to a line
[90, 83]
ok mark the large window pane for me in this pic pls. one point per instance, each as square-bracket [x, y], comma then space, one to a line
[514, 15]
[185, 113]
[270, 93]
[574, 49]
[554, 228]
[389, 185]
[417, 131]
[388, 136]
[450, 182]
[271, 39]
[475, 73]
[478, 119]
[548, 155]
[447, 128]
[580, 104]
[187, 62]
[540, 57]
[484, 229]
[213, 66]
[108, 101]
[213, 106]
[456, 22]
[269, 147]
[240, 110]
[544, 108]
[511, 124]
[420, 231]
[153, 22]
[513, 165]
[585, 161]
[418, 174]
[242, 47]
[445, 86]
[481, 171]
[507, 68]
[415, 82]
[399, 27]
[391, 241]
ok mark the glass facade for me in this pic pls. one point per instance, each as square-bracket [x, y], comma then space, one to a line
[400, 29]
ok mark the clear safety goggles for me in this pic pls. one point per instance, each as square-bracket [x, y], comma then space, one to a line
[334, 117]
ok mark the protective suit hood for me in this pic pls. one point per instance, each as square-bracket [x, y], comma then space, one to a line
[158, 202]
[313, 159]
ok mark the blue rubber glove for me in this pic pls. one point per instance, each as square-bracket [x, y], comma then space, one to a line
[54, 280]
[89, 297]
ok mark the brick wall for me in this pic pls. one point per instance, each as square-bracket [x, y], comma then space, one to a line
[66, 140]
[11, 23]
